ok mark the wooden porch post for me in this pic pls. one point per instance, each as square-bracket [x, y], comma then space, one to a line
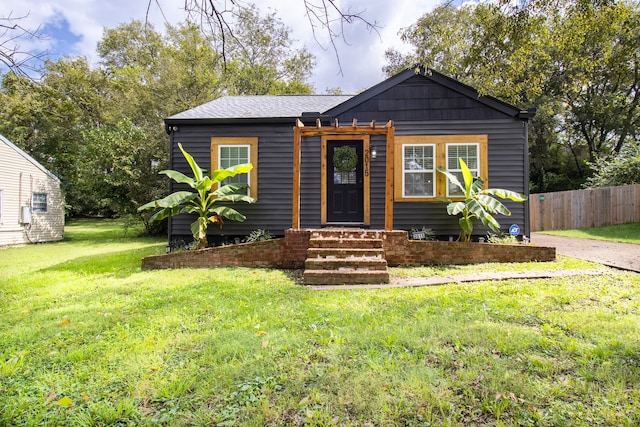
[295, 213]
[388, 201]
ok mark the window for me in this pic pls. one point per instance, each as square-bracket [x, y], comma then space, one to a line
[233, 155]
[233, 151]
[418, 170]
[417, 157]
[39, 203]
[469, 153]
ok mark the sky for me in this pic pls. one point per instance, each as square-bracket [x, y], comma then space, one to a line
[74, 27]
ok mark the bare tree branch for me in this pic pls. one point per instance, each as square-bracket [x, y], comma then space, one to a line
[325, 16]
[12, 56]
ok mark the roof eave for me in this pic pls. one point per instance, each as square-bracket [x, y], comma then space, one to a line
[228, 121]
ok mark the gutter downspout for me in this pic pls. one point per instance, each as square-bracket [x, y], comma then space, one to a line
[527, 115]
[527, 208]
[170, 219]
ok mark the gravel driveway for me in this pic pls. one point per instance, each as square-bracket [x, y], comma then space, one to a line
[619, 255]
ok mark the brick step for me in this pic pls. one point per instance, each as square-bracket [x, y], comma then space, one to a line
[337, 256]
[345, 264]
[345, 277]
[345, 243]
[344, 253]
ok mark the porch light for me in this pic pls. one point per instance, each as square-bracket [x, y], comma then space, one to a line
[374, 152]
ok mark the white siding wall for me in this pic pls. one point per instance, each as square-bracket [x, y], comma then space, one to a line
[19, 179]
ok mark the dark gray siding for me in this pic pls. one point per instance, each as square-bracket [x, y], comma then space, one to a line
[507, 150]
[418, 98]
[310, 177]
[272, 211]
[418, 106]
[378, 181]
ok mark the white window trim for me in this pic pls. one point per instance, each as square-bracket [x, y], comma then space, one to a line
[405, 171]
[46, 203]
[247, 146]
[474, 171]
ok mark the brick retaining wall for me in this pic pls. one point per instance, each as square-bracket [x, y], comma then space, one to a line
[448, 253]
[291, 252]
[259, 254]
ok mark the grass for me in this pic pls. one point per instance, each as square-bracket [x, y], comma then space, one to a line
[625, 233]
[87, 339]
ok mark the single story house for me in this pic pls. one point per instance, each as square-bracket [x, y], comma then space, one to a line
[365, 161]
[31, 201]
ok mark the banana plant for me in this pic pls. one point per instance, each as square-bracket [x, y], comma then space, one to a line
[479, 203]
[206, 201]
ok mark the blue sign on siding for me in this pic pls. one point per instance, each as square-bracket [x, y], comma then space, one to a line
[514, 230]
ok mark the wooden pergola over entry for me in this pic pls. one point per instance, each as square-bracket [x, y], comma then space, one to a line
[300, 131]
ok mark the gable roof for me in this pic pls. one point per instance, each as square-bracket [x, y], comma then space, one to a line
[28, 158]
[293, 106]
[436, 77]
[261, 107]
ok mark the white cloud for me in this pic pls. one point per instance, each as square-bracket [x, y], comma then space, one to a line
[362, 57]
[362, 53]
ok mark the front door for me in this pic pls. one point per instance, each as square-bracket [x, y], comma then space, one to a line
[345, 182]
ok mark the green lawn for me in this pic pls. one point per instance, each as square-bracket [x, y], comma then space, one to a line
[625, 233]
[87, 339]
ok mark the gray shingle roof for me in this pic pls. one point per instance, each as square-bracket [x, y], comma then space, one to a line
[256, 107]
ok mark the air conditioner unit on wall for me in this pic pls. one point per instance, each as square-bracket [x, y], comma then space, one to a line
[25, 215]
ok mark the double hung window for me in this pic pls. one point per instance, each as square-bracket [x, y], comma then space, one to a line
[470, 153]
[418, 170]
[418, 157]
[232, 151]
[234, 155]
[39, 203]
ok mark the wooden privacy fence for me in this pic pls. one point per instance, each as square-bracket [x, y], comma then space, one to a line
[566, 210]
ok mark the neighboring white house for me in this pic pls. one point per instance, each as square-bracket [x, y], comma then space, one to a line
[31, 201]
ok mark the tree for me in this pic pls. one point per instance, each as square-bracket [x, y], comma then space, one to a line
[217, 18]
[599, 76]
[101, 129]
[472, 43]
[119, 170]
[46, 119]
[209, 201]
[263, 59]
[621, 169]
